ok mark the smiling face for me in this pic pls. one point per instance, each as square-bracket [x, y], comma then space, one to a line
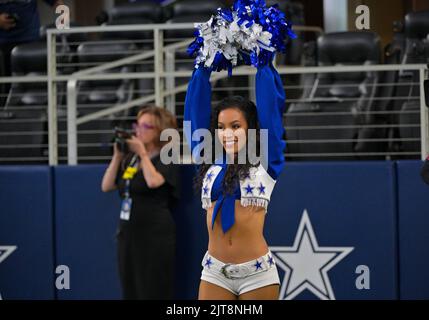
[146, 129]
[232, 129]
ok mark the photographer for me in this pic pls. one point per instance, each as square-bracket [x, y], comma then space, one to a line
[148, 188]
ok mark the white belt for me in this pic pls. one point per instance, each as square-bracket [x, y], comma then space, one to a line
[241, 270]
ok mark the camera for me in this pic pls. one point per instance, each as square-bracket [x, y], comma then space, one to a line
[121, 135]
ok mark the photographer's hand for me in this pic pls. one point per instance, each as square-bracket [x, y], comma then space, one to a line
[109, 179]
[116, 152]
[137, 146]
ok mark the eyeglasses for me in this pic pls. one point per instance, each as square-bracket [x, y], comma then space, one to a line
[142, 126]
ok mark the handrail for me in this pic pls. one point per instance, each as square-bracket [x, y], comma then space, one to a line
[151, 27]
[160, 93]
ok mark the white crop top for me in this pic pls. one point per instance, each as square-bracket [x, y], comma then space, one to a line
[255, 189]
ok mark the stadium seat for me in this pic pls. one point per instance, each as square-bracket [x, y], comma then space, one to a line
[95, 136]
[190, 11]
[24, 116]
[145, 10]
[416, 52]
[66, 46]
[137, 13]
[28, 59]
[295, 14]
[336, 99]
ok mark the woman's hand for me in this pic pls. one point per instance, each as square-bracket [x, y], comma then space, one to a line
[6, 22]
[109, 178]
[116, 152]
[137, 146]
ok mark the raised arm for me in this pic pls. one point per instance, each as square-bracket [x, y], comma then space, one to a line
[109, 179]
[198, 105]
[270, 102]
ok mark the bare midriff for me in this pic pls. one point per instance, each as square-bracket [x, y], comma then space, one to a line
[244, 241]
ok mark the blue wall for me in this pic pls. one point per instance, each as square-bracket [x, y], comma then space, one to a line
[413, 203]
[26, 221]
[85, 224]
[349, 205]
[371, 214]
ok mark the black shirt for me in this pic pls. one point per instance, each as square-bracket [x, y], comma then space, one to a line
[151, 207]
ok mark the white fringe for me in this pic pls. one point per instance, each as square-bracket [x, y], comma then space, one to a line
[207, 203]
[245, 202]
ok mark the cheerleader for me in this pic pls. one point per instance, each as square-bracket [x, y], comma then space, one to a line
[238, 263]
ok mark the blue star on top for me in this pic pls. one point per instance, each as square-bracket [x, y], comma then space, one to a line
[208, 262]
[206, 190]
[270, 260]
[258, 265]
[247, 176]
[249, 189]
[261, 189]
[209, 176]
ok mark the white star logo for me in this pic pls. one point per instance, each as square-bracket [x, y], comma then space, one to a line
[5, 251]
[306, 265]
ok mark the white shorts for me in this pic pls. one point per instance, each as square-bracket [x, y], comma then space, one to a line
[243, 277]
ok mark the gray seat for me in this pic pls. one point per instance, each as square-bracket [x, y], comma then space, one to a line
[137, 13]
[23, 129]
[416, 52]
[295, 14]
[95, 137]
[23, 134]
[190, 11]
[335, 99]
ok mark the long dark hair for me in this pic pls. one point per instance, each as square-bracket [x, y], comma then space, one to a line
[234, 171]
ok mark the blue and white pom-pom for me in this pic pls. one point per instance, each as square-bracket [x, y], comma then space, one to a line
[250, 32]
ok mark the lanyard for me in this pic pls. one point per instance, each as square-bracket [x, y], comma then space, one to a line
[129, 173]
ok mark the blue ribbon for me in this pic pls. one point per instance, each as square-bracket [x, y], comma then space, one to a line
[227, 203]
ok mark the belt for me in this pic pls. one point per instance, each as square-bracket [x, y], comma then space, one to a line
[241, 270]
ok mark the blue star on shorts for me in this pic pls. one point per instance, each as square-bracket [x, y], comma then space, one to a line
[206, 190]
[258, 265]
[208, 262]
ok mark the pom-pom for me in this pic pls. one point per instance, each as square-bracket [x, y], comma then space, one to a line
[250, 33]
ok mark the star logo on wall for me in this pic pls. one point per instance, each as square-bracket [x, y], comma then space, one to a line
[306, 264]
[5, 251]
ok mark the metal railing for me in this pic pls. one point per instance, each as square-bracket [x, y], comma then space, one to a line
[159, 60]
[164, 75]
